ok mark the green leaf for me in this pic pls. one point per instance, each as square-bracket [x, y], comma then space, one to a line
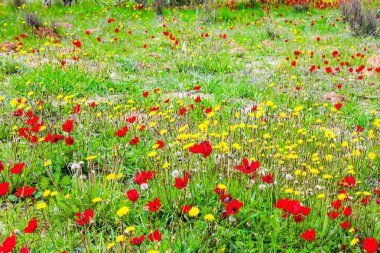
[13, 198]
[65, 181]
[38, 194]
[44, 183]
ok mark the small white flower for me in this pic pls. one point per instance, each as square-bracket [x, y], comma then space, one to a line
[318, 187]
[144, 186]
[288, 177]
[175, 173]
[75, 166]
[262, 187]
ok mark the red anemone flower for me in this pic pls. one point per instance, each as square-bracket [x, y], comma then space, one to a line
[121, 132]
[24, 250]
[68, 126]
[347, 211]
[333, 215]
[345, 225]
[32, 225]
[8, 244]
[233, 207]
[131, 119]
[370, 245]
[133, 195]
[247, 168]
[181, 183]
[267, 179]
[186, 208]
[134, 141]
[25, 191]
[76, 109]
[85, 217]
[336, 204]
[4, 188]
[17, 168]
[204, 148]
[309, 235]
[137, 240]
[155, 236]
[69, 141]
[160, 144]
[154, 205]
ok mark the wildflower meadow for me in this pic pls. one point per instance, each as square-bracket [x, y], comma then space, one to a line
[190, 126]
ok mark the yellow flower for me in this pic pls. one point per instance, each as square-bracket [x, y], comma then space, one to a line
[222, 186]
[356, 152]
[321, 196]
[14, 102]
[153, 153]
[123, 211]
[266, 136]
[91, 157]
[96, 200]
[289, 191]
[120, 238]
[342, 196]
[354, 241]
[183, 128]
[211, 114]
[111, 176]
[329, 157]
[54, 193]
[314, 171]
[194, 211]
[153, 251]
[47, 163]
[40, 205]
[110, 245]
[209, 217]
[166, 165]
[46, 193]
[371, 155]
[130, 229]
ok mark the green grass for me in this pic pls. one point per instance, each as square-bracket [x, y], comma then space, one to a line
[300, 138]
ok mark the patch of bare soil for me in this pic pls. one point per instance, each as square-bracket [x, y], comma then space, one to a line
[63, 25]
[8, 46]
[333, 98]
[189, 94]
[374, 61]
[373, 46]
[142, 65]
[94, 30]
[154, 55]
[235, 48]
[266, 43]
[43, 32]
